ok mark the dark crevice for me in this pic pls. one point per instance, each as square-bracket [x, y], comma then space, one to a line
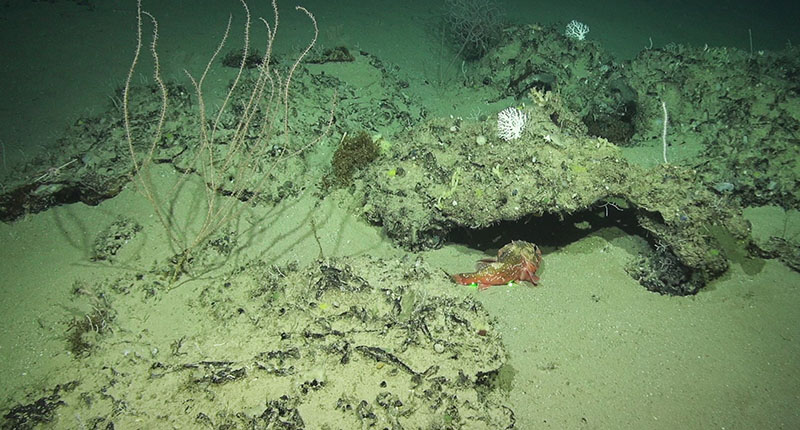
[549, 231]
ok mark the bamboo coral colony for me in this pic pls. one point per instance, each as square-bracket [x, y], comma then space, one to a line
[576, 30]
[511, 123]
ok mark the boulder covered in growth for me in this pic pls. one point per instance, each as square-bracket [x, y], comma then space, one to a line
[450, 174]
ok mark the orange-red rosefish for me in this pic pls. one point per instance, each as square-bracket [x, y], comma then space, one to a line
[517, 261]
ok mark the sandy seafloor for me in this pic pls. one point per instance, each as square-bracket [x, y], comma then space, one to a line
[591, 347]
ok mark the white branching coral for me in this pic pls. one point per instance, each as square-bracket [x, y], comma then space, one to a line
[576, 30]
[511, 123]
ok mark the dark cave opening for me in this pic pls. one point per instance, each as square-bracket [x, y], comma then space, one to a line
[550, 231]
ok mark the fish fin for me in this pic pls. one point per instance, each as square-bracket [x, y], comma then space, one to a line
[480, 264]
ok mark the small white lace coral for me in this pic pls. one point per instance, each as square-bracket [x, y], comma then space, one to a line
[511, 123]
[576, 30]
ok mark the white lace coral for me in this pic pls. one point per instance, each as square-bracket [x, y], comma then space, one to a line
[577, 30]
[511, 123]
